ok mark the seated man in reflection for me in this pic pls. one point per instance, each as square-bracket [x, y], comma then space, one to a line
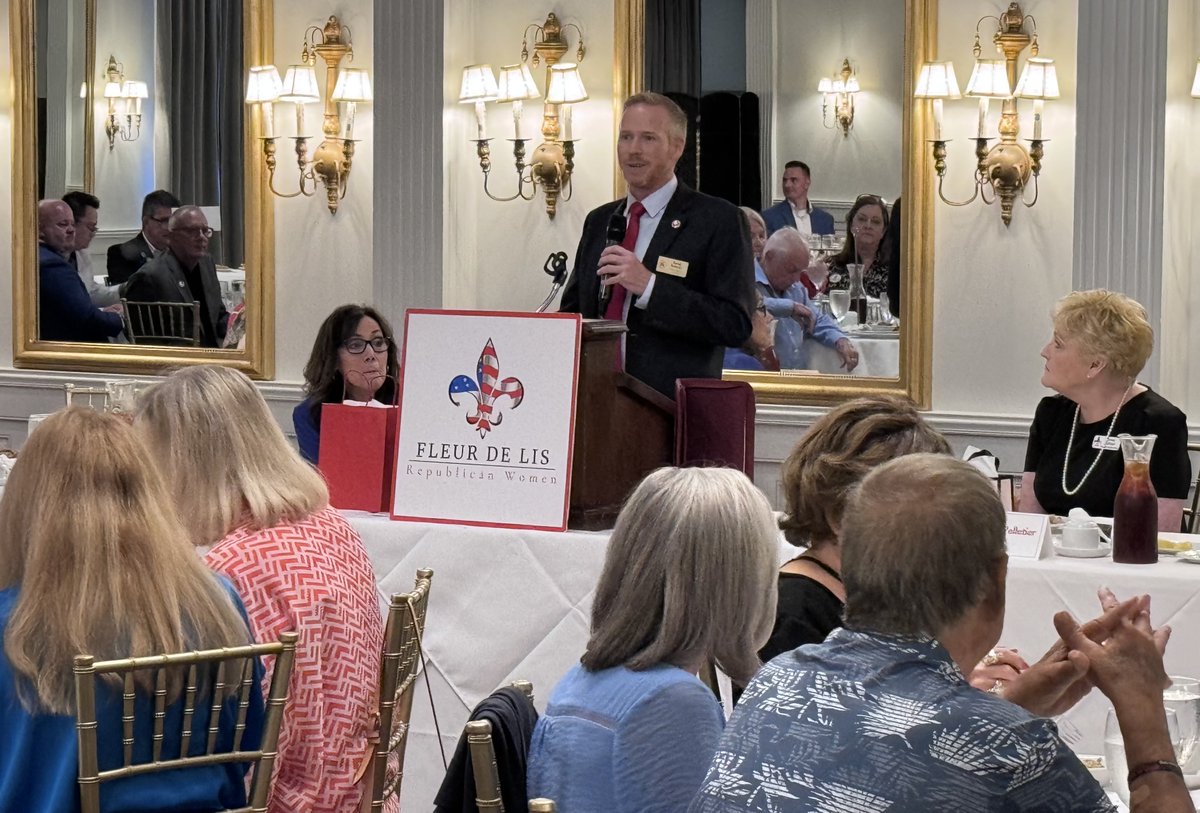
[86, 210]
[785, 256]
[185, 273]
[128, 257]
[65, 311]
[880, 716]
[795, 210]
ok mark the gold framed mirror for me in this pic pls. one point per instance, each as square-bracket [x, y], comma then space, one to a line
[916, 284]
[256, 353]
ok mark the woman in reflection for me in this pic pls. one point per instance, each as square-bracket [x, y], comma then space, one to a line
[866, 225]
[296, 562]
[758, 231]
[840, 449]
[758, 353]
[1101, 342]
[92, 560]
[354, 358]
[688, 580]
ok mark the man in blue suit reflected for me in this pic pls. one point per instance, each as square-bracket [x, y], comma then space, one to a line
[65, 310]
[795, 210]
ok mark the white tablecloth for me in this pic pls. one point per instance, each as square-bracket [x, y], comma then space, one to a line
[508, 604]
[877, 357]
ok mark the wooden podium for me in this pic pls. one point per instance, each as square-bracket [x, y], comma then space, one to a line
[624, 429]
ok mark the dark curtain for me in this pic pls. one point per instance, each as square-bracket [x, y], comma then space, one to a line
[673, 46]
[200, 51]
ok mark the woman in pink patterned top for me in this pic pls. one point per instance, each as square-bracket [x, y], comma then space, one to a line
[296, 562]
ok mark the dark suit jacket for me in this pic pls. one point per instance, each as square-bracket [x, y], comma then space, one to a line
[65, 311]
[126, 258]
[690, 320]
[780, 215]
[163, 280]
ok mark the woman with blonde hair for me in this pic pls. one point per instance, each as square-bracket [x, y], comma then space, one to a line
[296, 562]
[92, 561]
[1101, 342]
[688, 580]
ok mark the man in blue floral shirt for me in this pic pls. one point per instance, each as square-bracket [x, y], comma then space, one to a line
[880, 716]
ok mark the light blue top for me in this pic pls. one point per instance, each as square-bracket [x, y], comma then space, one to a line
[621, 741]
[789, 334]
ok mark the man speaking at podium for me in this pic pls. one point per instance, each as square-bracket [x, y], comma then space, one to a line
[672, 263]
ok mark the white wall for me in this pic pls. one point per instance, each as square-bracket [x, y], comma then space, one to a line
[813, 39]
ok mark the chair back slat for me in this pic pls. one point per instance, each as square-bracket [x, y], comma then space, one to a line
[175, 323]
[209, 667]
[483, 765]
[128, 697]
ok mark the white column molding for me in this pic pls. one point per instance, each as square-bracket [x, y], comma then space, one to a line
[760, 80]
[407, 221]
[1119, 152]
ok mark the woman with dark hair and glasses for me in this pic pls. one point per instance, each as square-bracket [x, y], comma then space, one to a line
[758, 353]
[866, 225]
[353, 359]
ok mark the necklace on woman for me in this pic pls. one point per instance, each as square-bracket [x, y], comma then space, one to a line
[1071, 492]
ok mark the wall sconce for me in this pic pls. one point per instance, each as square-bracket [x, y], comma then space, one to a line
[1005, 168]
[553, 161]
[330, 163]
[125, 94]
[840, 93]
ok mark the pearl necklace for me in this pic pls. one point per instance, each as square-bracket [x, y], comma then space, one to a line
[1071, 492]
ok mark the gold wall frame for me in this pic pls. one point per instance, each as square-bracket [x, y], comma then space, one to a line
[916, 338]
[257, 360]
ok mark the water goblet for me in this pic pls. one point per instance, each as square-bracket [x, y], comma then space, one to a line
[1114, 752]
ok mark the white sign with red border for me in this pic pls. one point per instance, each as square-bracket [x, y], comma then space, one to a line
[487, 418]
[1028, 535]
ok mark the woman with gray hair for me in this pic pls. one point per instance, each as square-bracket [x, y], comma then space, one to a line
[1101, 342]
[689, 578]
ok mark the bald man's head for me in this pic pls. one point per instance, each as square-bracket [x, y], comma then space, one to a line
[56, 226]
[785, 256]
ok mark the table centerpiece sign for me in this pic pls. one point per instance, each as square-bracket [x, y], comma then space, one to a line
[487, 418]
[1028, 535]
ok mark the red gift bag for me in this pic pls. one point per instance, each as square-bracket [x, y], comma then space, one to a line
[358, 455]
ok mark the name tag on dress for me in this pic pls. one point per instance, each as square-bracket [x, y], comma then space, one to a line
[1107, 444]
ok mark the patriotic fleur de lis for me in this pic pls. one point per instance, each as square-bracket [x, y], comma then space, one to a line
[486, 391]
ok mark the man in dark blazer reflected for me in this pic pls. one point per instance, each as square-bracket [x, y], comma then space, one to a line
[126, 258]
[685, 287]
[794, 210]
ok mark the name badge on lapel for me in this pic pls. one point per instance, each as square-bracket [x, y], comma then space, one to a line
[676, 268]
[1107, 444]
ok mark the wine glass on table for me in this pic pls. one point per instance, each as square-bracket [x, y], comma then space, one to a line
[1183, 698]
[839, 302]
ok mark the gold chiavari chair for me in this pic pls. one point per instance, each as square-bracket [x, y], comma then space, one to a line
[214, 668]
[397, 682]
[483, 759]
[95, 397]
[542, 806]
[1191, 514]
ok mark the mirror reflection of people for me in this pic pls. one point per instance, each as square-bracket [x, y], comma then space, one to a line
[1100, 343]
[785, 257]
[682, 281]
[795, 210]
[688, 579]
[126, 258]
[354, 358]
[294, 559]
[185, 273]
[758, 353]
[85, 208]
[866, 224]
[65, 311]
[94, 559]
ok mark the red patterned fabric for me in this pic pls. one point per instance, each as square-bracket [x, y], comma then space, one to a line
[314, 577]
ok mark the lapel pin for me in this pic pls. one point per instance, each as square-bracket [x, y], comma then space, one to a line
[675, 224]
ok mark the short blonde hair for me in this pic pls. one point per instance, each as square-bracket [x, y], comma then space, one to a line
[689, 575]
[677, 119]
[1109, 325]
[102, 562]
[224, 456]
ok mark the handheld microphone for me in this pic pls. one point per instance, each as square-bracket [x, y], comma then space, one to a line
[614, 237]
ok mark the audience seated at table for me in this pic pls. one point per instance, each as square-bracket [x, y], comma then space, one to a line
[689, 578]
[866, 224]
[880, 716]
[758, 353]
[296, 562]
[1100, 343]
[353, 358]
[837, 451]
[93, 561]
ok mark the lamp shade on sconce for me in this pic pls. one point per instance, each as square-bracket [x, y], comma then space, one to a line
[989, 79]
[937, 81]
[850, 85]
[112, 90]
[1039, 80]
[515, 83]
[478, 84]
[1196, 82]
[300, 85]
[825, 85]
[566, 86]
[263, 84]
[353, 85]
[132, 89]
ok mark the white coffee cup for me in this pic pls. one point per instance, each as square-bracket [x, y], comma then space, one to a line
[1081, 535]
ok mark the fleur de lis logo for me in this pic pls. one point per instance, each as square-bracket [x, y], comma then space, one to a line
[486, 391]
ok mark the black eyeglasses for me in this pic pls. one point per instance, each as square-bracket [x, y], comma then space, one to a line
[357, 344]
[195, 231]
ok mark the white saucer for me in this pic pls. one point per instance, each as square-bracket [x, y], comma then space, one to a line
[1082, 553]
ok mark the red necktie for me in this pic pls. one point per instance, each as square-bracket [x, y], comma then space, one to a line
[616, 305]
